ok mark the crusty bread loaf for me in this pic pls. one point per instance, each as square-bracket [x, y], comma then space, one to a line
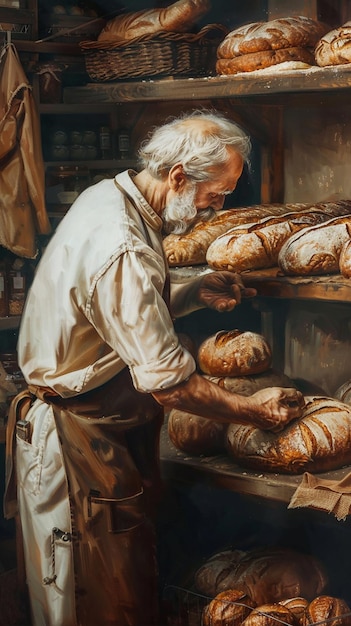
[275, 34]
[334, 48]
[256, 246]
[215, 575]
[267, 575]
[297, 607]
[315, 250]
[178, 17]
[269, 615]
[194, 434]
[261, 60]
[247, 385]
[345, 259]
[317, 442]
[234, 353]
[323, 609]
[343, 393]
[191, 248]
[228, 607]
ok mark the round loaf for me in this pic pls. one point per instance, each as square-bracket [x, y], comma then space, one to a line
[234, 353]
[194, 434]
[261, 60]
[269, 615]
[343, 393]
[345, 259]
[247, 385]
[324, 608]
[297, 607]
[215, 575]
[229, 607]
[318, 441]
[334, 48]
[287, 32]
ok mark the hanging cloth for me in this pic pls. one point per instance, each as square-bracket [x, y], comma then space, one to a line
[22, 175]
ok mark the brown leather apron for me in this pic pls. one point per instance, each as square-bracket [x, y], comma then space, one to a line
[110, 445]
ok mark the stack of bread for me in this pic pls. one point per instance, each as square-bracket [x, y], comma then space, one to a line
[259, 45]
[240, 362]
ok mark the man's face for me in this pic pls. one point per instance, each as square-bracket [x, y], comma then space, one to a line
[212, 193]
[180, 211]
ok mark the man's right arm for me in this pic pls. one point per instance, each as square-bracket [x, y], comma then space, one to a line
[270, 409]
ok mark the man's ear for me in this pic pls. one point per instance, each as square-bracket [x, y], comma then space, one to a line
[176, 177]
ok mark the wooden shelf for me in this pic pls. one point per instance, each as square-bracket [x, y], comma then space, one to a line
[221, 472]
[334, 79]
[269, 283]
[6, 323]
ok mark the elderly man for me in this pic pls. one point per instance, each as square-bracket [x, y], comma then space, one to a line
[99, 352]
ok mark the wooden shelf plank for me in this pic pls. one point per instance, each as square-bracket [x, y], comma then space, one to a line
[6, 323]
[221, 472]
[316, 79]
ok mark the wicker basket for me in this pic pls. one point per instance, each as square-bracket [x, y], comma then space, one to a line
[165, 54]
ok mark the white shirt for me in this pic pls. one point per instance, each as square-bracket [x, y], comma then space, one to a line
[96, 303]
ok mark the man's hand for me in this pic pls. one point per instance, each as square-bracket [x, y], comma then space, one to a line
[273, 408]
[222, 291]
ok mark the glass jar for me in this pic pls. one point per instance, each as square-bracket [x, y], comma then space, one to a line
[65, 183]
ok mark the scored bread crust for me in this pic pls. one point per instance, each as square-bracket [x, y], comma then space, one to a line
[191, 247]
[334, 48]
[234, 353]
[315, 250]
[318, 441]
[256, 246]
[287, 32]
[261, 60]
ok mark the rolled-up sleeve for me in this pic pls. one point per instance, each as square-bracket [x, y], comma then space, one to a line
[128, 311]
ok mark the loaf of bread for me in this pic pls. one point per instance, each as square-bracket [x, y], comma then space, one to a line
[234, 353]
[343, 393]
[229, 607]
[178, 17]
[297, 606]
[315, 250]
[247, 385]
[266, 58]
[266, 575]
[215, 575]
[286, 32]
[345, 259]
[257, 245]
[318, 441]
[334, 48]
[191, 248]
[269, 615]
[327, 610]
[260, 45]
[194, 434]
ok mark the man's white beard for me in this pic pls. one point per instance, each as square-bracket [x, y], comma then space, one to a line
[180, 212]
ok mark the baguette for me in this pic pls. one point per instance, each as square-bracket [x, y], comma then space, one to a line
[315, 250]
[317, 442]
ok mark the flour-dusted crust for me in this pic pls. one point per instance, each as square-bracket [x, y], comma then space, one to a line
[191, 248]
[287, 32]
[256, 246]
[318, 441]
[178, 17]
[345, 259]
[195, 434]
[315, 250]
[247, 385]
[261, 60]
[234, 353]
[334, 48]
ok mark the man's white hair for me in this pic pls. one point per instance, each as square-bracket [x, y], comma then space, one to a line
[198, 140]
